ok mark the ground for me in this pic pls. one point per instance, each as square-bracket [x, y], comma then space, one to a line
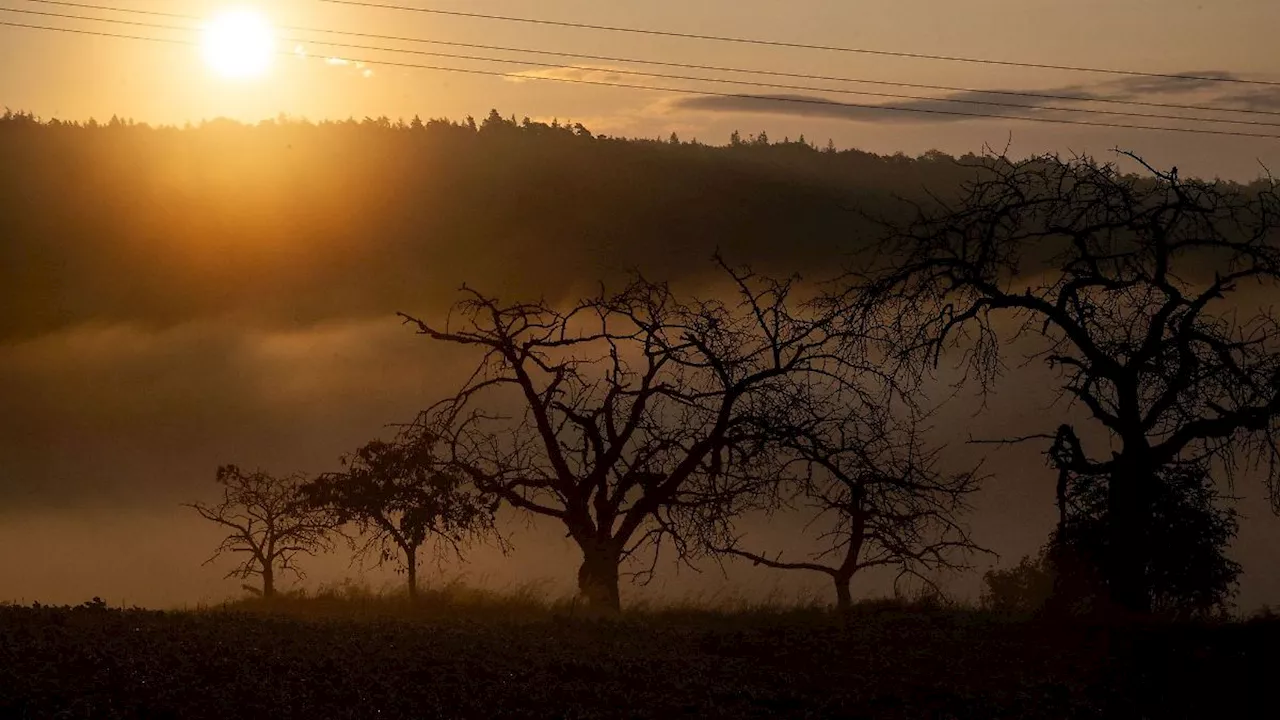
[882, 662]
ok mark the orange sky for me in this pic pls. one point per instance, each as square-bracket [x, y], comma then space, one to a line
[74, 76]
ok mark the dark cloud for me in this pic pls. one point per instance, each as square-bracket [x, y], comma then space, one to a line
[1210, 91]
[1133, 87]
[931, 111]
[1268, 100]
[997, 102]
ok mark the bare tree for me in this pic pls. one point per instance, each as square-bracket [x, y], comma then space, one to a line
[621, 416]
[872, 492]
[398, 495]
[269, 525]
[1127, 285]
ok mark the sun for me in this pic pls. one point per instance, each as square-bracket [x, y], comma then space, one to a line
[239, 44]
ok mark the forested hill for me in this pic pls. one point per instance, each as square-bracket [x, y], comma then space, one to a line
[287, 222]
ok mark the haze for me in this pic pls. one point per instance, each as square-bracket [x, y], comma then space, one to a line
[176, 299]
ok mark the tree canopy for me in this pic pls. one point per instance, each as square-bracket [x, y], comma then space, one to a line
[399, 496]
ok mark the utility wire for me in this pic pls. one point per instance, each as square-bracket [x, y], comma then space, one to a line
[801, 46]
[659, 63]
[689, 91]
[803, 88]
[687, 78]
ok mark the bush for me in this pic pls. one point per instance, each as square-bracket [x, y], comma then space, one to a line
[1023, 589]
[1188, 573]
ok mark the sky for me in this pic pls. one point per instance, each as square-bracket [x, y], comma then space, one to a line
[75, 76]
[89, 408]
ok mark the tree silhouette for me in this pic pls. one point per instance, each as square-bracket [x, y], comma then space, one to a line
[1125, 283]
[398, 495]
[269, 525]
[871, 490]
[630, 410]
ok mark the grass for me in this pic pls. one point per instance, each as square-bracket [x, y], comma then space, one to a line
[528, 602]
[459, 652]
[453, 599]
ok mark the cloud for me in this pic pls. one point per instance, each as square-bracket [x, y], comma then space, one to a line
[825, 107]
[584, 73]
[1214, 89]
[360, 68]
[1268, 99]
[955, 106]
[1139, 86]
[1056, 101]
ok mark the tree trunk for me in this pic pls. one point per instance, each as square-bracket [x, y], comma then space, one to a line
[411, 569]
[1128, 523]
[598, 577]
[843, 575]
[844, 598]
[268, 581]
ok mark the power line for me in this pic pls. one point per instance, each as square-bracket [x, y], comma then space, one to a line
[114, 21]
[804, 76]
[700, 93]
[801, 46]
[687, 78]
[659, 63]
[805, 88]
[133, 11]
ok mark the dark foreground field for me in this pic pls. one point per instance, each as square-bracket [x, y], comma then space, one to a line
[885, 663]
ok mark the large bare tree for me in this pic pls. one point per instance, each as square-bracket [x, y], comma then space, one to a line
[622, 416]
[268, 523]
[1135, 292]
[398, 495]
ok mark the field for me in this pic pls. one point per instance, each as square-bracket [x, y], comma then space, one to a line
[378, 659]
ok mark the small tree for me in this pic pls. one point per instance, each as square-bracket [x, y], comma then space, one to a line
[269, 524]
[398, 496]
[872, 492]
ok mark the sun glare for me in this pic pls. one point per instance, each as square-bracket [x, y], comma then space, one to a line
[239, 44]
